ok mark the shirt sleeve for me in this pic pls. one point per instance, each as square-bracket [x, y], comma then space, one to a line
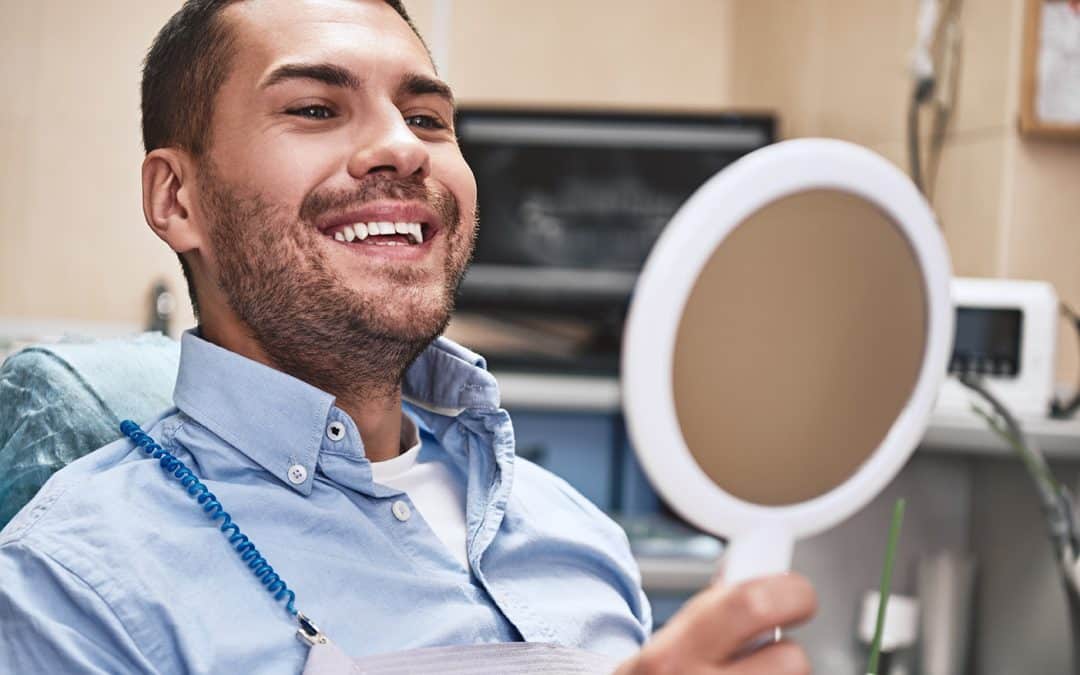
[51, 621]
[618, 546]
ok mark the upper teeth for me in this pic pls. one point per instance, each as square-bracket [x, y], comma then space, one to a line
[365, 230]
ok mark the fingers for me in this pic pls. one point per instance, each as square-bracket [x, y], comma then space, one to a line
[734, 615]
[715, 623]
[782, 658]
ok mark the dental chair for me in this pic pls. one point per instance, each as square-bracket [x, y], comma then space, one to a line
[61, 401]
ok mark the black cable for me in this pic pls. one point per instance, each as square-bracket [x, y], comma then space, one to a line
[942, 114]
[948, 57]
[1030, 454]
[1074, 613]
[923, 89]
[1059, 409]
[945, 61]
[1056, 502]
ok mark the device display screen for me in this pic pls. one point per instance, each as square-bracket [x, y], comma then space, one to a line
[987, 341]
[572, 202]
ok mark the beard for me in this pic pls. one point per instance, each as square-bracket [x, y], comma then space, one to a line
[277, 277]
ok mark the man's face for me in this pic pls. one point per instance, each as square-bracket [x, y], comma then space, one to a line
[332, 115]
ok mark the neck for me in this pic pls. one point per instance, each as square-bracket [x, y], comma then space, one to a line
[372, 400]
[379, 422]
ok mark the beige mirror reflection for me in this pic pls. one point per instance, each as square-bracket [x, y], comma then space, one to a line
[799, 346]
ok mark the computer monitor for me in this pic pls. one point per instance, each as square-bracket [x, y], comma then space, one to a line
[570, 205]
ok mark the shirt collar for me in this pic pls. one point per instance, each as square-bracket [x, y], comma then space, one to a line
[448, 379]
[279, 421]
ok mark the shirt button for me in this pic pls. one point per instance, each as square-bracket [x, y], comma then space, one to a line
[297, 474]
[335, 431]
[401, 510]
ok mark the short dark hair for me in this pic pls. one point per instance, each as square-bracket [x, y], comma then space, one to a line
[184, 69]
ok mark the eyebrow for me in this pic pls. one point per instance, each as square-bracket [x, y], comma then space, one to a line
[414, 84]
[327, 73]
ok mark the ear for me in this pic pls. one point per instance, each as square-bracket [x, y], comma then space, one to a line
[167, 189]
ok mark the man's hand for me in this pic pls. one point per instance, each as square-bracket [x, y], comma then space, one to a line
[708, 632]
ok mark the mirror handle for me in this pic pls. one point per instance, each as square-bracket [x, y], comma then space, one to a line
[761, 552]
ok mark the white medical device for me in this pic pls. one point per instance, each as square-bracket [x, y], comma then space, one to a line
[785, 346]
[1006, 332]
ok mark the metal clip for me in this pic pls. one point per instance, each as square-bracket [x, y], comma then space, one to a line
[309, 632]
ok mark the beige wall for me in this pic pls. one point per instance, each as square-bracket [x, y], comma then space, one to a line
[75, 245]
[636, 53]
[1041, 238]
[844, 73]
[1009, 206]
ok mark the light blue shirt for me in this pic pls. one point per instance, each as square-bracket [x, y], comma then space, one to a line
[113, 567]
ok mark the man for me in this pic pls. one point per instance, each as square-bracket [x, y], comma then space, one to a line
[302, 161]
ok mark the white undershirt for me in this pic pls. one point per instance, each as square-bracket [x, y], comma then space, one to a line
[434, 488]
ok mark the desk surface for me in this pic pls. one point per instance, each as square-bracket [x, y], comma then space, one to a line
[949, 431]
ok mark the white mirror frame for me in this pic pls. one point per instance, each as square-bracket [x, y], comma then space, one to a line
[766, 534]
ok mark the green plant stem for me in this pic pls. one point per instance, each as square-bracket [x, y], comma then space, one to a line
[886, 583]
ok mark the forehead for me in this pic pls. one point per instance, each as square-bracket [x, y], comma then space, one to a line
[360, 34]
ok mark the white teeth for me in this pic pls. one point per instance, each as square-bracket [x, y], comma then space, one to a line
[413, 231]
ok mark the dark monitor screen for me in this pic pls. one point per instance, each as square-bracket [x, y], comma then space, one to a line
[571, 203]
[987, 341]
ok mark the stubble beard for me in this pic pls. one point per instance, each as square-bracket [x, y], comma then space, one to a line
[275, 274]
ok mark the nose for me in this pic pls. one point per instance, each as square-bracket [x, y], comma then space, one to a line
[389, 147]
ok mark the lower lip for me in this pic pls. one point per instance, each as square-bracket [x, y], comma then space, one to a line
[390, 251]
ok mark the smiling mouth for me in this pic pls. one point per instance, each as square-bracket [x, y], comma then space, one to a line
[382, 233]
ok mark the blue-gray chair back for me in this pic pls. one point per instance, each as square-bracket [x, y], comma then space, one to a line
[61, 401]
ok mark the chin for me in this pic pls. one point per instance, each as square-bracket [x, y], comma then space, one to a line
[415, 321]
[418, 333]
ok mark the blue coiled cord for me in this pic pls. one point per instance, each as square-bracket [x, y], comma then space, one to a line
[200, 493]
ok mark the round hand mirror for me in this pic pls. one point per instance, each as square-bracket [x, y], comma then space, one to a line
[785, 344]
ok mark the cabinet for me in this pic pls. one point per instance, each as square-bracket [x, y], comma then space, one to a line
[592, 452]
[578, 447]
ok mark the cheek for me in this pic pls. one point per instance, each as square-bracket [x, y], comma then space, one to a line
[468, 189]
[451, 170]
[289, 174]
[470, 195]
[282, 170]
[466, 194]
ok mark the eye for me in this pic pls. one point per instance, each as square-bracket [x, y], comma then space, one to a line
[312, 112]
[427, 122]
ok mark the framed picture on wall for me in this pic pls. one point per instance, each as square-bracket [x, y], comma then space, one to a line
[1050, 83]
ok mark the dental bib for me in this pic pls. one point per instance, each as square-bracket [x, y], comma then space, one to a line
[326, 658]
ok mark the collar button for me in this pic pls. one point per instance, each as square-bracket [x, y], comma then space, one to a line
[335, 431]
[297, 474]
